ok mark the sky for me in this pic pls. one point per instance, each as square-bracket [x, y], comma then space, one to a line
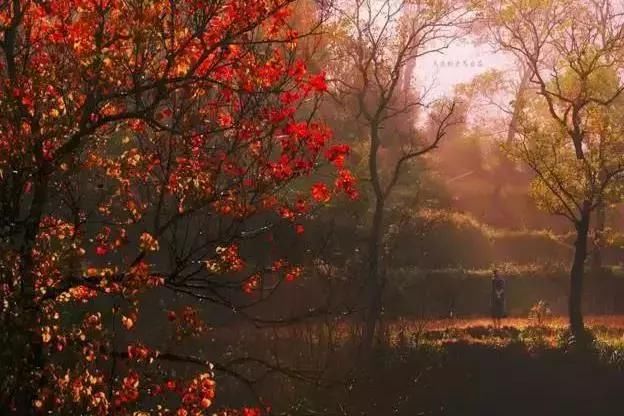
[458, 64]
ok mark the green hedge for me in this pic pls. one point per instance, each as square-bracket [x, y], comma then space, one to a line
[437, 293]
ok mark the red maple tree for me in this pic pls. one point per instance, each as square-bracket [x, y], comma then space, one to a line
[143, 145]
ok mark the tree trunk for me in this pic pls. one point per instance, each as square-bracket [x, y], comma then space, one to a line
[506, 167]
[32, 353]
[577, 272]
[375, 280]
[519, 100]
[596, 264]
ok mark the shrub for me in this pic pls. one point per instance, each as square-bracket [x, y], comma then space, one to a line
[539, 313]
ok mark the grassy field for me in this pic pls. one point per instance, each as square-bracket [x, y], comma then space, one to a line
[458, 367]
[611, 321]
[549, 333]
[466, 367]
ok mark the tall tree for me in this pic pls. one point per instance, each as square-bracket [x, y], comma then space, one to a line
[573, 49]
[144, 145]
[566, 185]
[383, 42]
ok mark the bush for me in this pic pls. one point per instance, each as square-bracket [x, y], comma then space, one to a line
[586, 342]
[539, 313]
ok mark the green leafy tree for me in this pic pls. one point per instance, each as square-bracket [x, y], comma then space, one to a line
[573, 51]
[565, 184]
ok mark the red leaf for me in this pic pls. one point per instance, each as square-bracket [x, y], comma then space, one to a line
[320, 192]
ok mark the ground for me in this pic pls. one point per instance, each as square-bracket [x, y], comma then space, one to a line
[466, 367]
[459, 367]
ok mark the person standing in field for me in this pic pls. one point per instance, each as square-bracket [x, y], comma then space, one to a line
[498, 298]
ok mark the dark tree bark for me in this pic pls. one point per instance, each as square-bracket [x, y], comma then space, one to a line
[374, 281]
[596, 265]
[33, 349]
[577, 273]
[375, 278]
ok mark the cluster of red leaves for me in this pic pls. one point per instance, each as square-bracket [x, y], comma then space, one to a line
[226, 259]
[122, 120]
[280, 267]
[246, 411]
[198, 394]
[74, 388]
[186, 322]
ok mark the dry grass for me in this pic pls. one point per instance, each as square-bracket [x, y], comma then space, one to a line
[609, 330]
[610, 321]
